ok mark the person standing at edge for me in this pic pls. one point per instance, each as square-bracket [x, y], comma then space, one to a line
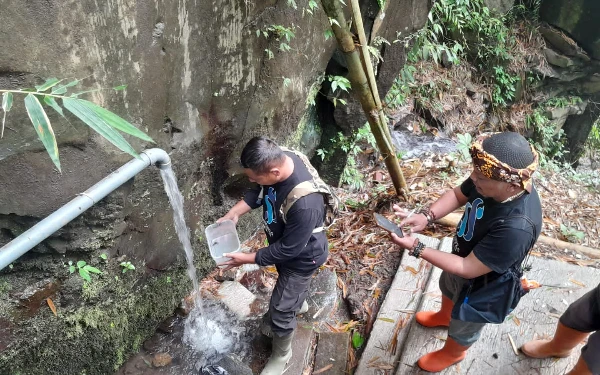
[480, 279]
[297, 247]
[581, 318]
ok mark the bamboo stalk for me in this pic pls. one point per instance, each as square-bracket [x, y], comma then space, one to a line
[362, 91]
[358, 24]
[452, 219]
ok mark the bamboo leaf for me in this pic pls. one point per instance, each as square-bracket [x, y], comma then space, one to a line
[50, 82]
[85, 114]
[7, 100]
[117, 122]
[42, 126]
[59, 90]
[52, 103]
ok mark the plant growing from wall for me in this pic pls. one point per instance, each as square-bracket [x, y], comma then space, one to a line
[104, 122]
[85, 270]
[127, 266]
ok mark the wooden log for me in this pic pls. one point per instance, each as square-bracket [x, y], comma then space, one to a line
[452, 219]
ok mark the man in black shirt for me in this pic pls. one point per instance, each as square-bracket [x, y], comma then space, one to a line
[480, 282]
[297, 247]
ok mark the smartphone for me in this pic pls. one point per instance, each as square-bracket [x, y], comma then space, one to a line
[388, 225]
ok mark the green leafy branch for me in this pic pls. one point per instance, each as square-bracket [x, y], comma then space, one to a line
[104, 122]
[84, 270]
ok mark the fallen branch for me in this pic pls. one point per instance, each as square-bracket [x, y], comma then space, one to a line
[452, 219]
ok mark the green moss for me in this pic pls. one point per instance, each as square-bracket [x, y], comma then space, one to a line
[96, 337]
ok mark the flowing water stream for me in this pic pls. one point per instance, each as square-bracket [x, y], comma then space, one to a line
[209, 330]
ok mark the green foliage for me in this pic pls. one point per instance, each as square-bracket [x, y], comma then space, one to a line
[339, 82]
[312, 7]
[463, 146]
[547, 140]
[562, 101]
[402, 87]
[127, 266]
[458, 29]
[357, 340]
[282, 34]
[504, 86]
[571, 234]
[85, 270]
[104, 122]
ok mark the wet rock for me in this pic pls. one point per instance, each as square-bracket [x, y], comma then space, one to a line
[32, 297]
[557, 59]
[152, 345]
[167, 325]
[499, 6]
[161, 360]
[322, 295]
[233, 365]
[562, 43]
[581, 24]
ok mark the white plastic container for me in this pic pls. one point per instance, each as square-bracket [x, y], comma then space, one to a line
[222, 238]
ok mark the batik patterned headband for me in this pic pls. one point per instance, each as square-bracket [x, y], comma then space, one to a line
[493, 168]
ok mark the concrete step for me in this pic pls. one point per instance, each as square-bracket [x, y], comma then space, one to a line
[390, 329]
[302, 351]
[535, 317]
[332, 353]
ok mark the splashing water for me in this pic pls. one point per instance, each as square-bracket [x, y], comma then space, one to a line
[181, 228]
[214, 334]
[211, 330]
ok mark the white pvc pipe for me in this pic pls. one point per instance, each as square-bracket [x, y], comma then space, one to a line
[61, 217]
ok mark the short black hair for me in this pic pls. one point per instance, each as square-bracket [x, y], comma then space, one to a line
[510, 148]
[261, 154]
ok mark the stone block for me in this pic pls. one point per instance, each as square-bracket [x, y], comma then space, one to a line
[301, 350]
[332, 353]
[237, 298]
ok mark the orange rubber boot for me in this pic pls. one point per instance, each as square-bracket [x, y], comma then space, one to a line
[436, 319]
[581, 368]
[450, 354]
[561, 345]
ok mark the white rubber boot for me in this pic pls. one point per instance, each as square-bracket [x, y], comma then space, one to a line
[304, 307]
[280, 355]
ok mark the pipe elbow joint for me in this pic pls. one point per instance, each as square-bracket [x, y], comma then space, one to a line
[157, 157]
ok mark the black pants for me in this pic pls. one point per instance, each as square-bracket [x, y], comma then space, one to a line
[584, 315]
[290, 292]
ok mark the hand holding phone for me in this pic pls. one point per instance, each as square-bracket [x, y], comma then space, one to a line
[388, 225]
